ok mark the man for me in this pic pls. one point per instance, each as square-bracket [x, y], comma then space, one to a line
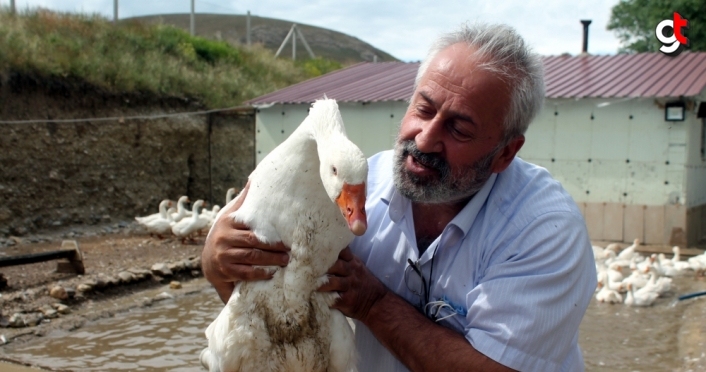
[473, 260]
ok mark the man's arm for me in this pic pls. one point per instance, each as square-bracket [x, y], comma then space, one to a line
[415, 340]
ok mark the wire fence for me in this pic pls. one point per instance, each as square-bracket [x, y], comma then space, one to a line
[121, 118]
[126, 8]
[111, 8]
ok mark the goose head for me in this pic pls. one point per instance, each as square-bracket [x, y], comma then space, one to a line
[342, 166]
[343, 174]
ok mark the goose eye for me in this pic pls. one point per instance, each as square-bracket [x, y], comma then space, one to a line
[335, 171]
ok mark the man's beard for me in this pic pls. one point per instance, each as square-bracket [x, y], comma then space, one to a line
[448, 186]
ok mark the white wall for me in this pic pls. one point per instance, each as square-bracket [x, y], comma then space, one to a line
[622, 152]
[371, 126]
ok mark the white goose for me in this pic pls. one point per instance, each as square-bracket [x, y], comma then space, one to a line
[679, 265]
[309, 193]
[181, 209]
[230, 194]
[210, 215]
[163, 205]
[158, 223]
[188, 226]
[629, 252]
[606, 294]
[640, 298]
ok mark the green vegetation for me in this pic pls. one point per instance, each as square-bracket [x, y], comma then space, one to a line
[634, 22]
[133, 57]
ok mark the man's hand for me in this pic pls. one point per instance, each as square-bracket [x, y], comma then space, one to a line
[358, 287]
[231, 250]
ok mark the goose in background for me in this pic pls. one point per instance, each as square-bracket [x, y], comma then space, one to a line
[678, 264]
[698, 263]
[640, 298]
[159, 223]
[188, 226]
[658, 284]
[211, 214]
[163, 205]
[230, 194]
[181, 209]
[309, 193]
[629, 252]
[606, 294]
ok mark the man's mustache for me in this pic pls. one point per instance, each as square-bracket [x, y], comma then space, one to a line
[428, 160]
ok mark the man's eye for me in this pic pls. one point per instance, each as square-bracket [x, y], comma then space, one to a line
[459, 133]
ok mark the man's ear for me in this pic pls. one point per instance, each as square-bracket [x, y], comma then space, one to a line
[507, 153]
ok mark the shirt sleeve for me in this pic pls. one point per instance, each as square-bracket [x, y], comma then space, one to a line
[527, 306]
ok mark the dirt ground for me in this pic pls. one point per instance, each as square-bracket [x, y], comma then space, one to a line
[107, 252]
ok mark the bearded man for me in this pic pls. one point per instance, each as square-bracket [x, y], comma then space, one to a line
[473, 260]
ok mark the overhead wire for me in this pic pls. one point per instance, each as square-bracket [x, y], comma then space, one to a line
[121, 118]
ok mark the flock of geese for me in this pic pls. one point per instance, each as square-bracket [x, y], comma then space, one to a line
[180, 221]
[626, 276]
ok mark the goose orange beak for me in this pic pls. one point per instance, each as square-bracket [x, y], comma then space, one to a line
[352, 204]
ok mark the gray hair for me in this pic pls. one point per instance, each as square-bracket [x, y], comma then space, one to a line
[505, 53]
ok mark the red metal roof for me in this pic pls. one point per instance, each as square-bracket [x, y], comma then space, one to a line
[622, 75]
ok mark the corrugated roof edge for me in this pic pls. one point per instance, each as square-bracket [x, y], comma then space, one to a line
[583, 76]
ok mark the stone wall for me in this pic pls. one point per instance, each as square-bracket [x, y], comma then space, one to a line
[59, 173]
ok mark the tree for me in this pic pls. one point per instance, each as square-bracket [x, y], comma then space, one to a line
[634, 21]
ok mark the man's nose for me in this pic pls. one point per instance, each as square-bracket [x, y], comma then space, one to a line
[429, 138]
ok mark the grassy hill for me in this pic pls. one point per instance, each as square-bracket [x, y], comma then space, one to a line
[143, 58]
[271, 32]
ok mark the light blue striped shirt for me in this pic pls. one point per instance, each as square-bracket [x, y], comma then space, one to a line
[515, 265]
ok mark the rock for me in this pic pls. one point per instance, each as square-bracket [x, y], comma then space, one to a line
[100, 282]
[70, 291]
[195, 273]
[61, 308]
[4, 322]
[16, 321]
[140, 274]
[50, 313]
[161, 269]
[177, 266]
[126, 276]
[194, 264]
[175, 285]
[84, 287]
[112, 281]
[59, 292]
[34, 319]
[163, 296]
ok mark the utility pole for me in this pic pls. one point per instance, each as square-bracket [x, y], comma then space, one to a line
[293, 32]
[247, 28]
[192, 18]
[115, 11]
[12, 7]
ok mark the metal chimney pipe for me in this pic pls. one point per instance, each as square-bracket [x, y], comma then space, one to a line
[585, 23]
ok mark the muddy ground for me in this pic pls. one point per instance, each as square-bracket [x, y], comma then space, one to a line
[109, 252]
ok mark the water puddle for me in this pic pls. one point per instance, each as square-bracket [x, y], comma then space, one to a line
[168, 336]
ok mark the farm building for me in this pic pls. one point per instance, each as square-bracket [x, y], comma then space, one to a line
[624, 134]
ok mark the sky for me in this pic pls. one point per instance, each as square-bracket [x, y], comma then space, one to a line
[405, 29]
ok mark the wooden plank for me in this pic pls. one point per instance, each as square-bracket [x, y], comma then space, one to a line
[73, 254]
[654, 225]
[31, 258]
[634, 223]
[613, 222]
[594, 220]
